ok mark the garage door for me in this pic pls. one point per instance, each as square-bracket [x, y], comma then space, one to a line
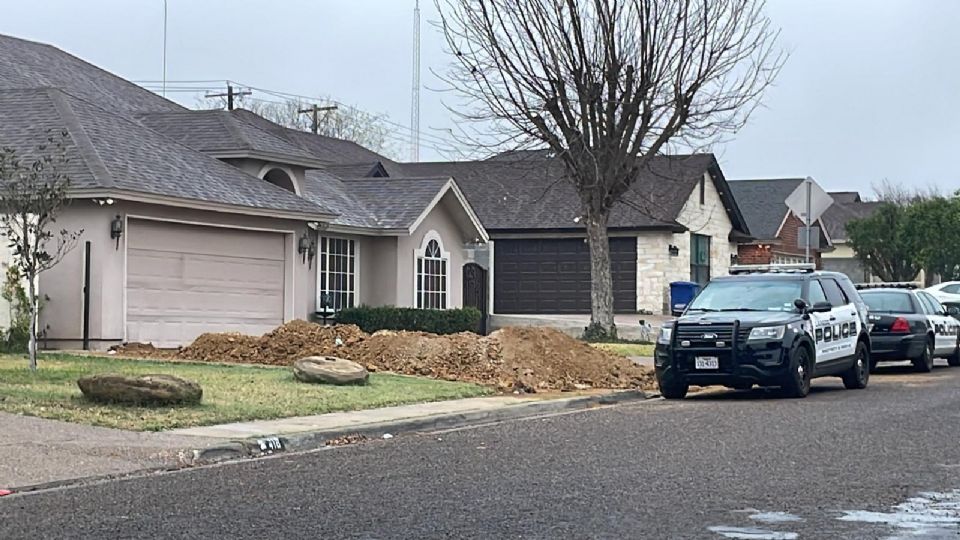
[184, 280]
[553, 276]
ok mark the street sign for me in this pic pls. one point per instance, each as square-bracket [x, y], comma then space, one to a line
[809, 201]
[814, 237]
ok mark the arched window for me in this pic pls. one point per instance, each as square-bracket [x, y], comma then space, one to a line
[281, 178]
[432, 273]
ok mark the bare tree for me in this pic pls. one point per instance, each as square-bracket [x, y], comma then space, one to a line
[33, 191]
[371, 131]
[606, 85]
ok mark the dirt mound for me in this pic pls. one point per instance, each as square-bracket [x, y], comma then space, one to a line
[282, 346]
[512, 359]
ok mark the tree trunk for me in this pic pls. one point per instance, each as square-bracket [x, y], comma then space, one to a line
[601, 290]
[34, 315]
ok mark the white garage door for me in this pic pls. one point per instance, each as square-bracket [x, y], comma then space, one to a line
[184, 280]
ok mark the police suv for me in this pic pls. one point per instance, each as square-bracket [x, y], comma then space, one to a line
[769, 325]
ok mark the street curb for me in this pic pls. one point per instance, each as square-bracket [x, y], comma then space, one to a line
[310, 440]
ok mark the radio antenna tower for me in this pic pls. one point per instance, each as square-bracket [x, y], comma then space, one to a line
[415, 97]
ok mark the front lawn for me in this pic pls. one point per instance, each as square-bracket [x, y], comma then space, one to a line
[627, 349]
[231, 393]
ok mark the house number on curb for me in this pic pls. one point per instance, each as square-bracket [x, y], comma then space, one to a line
[270, 444]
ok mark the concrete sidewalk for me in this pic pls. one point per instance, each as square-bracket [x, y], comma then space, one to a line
[38, 451]
[357, 420]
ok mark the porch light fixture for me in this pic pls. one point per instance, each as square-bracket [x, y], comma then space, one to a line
[303, 246]
[102, 202]
[116, 229]
[674, 250]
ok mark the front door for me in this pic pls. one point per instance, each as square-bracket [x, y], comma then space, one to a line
[475, 291]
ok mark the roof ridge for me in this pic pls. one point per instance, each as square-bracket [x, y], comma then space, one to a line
[88, 152]
[228, 122]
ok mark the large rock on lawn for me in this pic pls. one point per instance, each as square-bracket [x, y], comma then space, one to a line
[329, 369]
[140, 390]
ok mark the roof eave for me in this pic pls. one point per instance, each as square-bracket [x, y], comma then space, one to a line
[149, 198]
[307, 163]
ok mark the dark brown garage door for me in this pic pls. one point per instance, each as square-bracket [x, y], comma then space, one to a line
[553, 276]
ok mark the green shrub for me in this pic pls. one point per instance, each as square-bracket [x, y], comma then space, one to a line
[435, 321]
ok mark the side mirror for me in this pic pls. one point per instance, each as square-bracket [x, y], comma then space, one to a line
[953, 311]
[800, 304]
[821, 307]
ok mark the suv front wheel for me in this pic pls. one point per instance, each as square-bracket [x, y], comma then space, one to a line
[672, 387]
[796, 382]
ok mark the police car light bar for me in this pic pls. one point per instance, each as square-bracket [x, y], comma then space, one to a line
[889, 285]
[801, 268]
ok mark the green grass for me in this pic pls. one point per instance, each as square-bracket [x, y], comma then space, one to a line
[627, 349]
[231, 393]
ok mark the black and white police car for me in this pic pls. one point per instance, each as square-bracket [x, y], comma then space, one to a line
[910, 324]
[769, 325]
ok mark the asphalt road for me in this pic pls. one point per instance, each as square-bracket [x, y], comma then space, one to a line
[876, 463]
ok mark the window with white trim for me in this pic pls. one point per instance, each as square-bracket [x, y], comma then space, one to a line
[432, 273]
[336, 277]
[779, 258]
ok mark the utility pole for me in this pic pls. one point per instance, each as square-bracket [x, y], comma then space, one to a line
[230, 95]
[314, 111]
[415, 97]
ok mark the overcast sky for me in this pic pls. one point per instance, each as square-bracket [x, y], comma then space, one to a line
[865, 95]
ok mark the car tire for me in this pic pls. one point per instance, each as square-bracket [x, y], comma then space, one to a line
[857, 377]
[924, 362]
[672, 387]
[954, 359]
[796, 383]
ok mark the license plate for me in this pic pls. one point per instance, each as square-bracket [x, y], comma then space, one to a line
[707, 362]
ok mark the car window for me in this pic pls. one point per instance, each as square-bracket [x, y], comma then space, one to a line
[817, 296]
[932, 303]
[888, 302]
[953, 288]
[747, 294]
[834, 295]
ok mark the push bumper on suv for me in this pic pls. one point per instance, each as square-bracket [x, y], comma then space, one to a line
[896, 347]
[740, 361]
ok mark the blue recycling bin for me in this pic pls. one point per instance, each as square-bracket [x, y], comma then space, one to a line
[681, 293]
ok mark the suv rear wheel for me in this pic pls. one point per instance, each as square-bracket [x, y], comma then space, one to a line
[954, 359]
[796, 382]
[858, 375]
[924, 362]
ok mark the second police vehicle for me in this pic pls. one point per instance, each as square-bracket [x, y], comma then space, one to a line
[767, 325]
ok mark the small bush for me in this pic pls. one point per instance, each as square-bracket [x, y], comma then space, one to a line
[435, 321]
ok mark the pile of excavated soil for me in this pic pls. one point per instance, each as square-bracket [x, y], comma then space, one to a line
[282, 346]
[512, 359]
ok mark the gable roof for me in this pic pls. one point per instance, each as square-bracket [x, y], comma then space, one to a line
[114, 154]
[222, 134]
[762, 202]
[836, 217]
[29, 64]
[330, 150]
[533, 194]
[384, 204]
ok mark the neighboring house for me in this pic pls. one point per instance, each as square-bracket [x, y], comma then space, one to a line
[678, 222]
[775, 229]
[226, 225]
[847, 206]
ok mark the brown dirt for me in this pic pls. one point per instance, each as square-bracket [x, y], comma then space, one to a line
[281, 347]
[512, 359]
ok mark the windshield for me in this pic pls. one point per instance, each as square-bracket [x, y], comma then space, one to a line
[747, 295]
[888, 301]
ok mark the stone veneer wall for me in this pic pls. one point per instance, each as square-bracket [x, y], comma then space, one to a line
[656, 269]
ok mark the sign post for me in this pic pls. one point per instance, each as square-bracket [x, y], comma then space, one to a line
[809, 201]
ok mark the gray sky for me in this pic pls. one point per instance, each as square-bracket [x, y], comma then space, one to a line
[864, 96]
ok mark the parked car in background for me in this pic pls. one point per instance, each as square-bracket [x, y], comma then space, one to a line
[947, 292]
[907, 323]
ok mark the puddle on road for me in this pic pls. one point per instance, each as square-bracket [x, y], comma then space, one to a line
[927, 516]
[752, 533]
